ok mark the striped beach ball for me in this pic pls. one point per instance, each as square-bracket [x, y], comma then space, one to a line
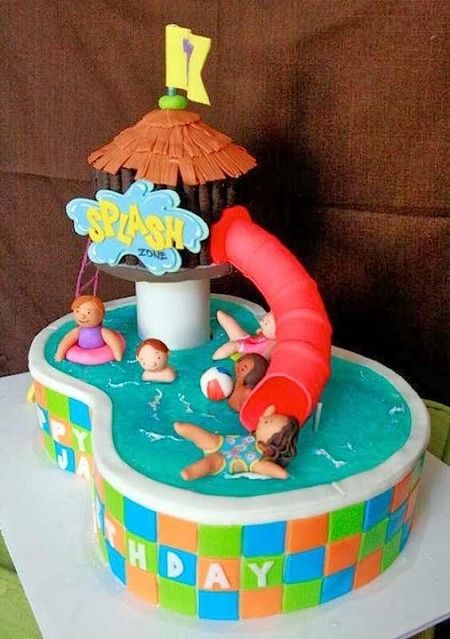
[216, 383]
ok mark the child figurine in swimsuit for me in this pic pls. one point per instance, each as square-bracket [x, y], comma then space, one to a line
[241, 342]
[88, 313]
[249, 371]
[153, 355]
[272, 447]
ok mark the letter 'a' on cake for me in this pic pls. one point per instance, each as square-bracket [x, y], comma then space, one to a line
[241, 466]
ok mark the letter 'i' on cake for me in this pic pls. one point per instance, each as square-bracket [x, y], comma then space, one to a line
[280, 479]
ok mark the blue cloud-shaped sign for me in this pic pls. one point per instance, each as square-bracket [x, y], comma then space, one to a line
[142, 222]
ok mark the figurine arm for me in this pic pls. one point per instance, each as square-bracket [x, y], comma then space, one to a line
[112, 339]
[227, 349]
[67, 342]
[269, 468]
[202, 438]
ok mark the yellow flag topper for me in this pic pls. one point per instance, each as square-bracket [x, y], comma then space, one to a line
[186, 55]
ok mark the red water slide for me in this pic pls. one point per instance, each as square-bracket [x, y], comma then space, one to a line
[300, 364]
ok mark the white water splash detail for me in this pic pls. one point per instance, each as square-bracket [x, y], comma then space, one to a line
[156, 437]
[324, 453]
[209, 416]
[111, 384]
[350, 447]
[244, 476]
[187, 405]
[154, 404]
[396, 409]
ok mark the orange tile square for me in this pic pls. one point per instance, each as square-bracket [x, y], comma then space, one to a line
[178, 533]
[142, 584]
[260, 603]
[61, 431]
[230, 568]
[99, 485]
[411, 503]
[39, 394]
[303, 534]
[368, 568]
[115, 534]
[400, 492]
[342, 554]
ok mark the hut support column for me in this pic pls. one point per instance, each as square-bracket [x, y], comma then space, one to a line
[175, 312]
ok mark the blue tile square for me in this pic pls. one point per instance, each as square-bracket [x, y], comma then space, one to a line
[303, 566]
[100, 515]
[396, 520]
[65, 457]
[139, 520]
[116, 562]
[264, 539]
[377, 509]
[338, 584]
[79, 413]
[178, 565]
[404, 535]
[218, 605]
[43, 419]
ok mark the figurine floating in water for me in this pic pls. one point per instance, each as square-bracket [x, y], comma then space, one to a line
[272, 447]
[241, 342]
[153, 356]
[90, 342]
[249, 371]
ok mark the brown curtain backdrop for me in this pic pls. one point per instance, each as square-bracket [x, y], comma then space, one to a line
[344, 104]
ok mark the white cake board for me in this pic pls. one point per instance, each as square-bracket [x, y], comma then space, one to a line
[45, 517]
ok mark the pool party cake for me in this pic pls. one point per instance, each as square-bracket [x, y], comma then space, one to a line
[241, 466]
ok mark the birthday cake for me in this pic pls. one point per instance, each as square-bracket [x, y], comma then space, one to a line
[241, 466]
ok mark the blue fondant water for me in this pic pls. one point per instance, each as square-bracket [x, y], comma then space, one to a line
[364, 418]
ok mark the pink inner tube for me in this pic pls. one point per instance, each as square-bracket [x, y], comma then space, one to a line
[91, 356]
[300, 363]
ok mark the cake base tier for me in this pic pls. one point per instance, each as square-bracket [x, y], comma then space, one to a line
[225, 557]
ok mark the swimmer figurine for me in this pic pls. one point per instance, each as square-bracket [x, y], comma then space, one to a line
[249, 371]
[272, 447]
[90, 342]
[241, 342]
[152, 355]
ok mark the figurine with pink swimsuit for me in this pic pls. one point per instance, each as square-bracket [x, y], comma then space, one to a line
[240, 341]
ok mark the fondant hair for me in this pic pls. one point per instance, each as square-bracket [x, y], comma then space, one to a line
[157, 344]
[258, 370]
[83, 299]
[282, 446]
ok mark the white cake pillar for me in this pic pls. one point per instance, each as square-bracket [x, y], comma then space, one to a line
[175, 312]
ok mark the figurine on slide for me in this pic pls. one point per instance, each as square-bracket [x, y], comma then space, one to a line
[241, 342]
[271, 448]
[248, 371]
[90, 342]
[153, 355]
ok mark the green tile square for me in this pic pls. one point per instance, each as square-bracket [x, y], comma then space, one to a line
[373, 538]
[57, 404]
[219, 541]
[150, 552]
[49, 444]
[81, 438]
[273, 576]
[301, 595]
[114, 502]
[416, 474]
[177, 597]
[346, 522]
[391, 550]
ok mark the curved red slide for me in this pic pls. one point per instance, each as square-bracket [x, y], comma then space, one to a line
[300, 364]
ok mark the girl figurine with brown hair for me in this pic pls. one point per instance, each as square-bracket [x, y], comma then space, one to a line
[153, 355]
[90, 342]
[267, 452]
[249, 371]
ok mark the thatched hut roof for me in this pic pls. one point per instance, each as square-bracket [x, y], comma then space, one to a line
[169, 143]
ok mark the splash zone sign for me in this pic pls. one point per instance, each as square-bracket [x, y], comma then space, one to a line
[142, 222]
